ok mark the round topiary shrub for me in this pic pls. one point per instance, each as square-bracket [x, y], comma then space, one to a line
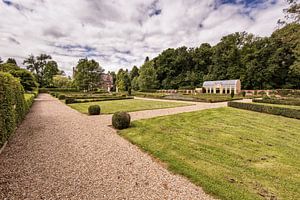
[94, 110]
[121, 120]
[61, 97]
[70, 100]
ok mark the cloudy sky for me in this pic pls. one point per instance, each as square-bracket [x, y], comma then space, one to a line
[121, 33]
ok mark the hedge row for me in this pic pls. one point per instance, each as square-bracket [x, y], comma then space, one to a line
[46, 90]
[73, 100]
[292, 102]
[286, 112]
[13, 105]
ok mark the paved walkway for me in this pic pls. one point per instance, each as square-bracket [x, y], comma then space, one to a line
[58, 153]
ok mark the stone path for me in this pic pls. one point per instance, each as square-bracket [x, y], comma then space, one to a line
[58, 153]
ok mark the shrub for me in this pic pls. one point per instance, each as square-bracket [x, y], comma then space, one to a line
[94, 110]
[292, 102]
[70, 100]
[232, 94]
[13, 106]
[121, 120]
[61, 97]
[243, 93]
[286, 112]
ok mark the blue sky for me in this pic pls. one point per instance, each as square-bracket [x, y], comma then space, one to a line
[122, 33]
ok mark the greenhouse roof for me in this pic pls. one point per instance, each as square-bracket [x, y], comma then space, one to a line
[221, 82]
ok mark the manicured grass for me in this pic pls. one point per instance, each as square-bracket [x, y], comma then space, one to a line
[231, 153]
[109, 107]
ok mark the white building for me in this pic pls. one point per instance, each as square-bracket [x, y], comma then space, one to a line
[222, 87]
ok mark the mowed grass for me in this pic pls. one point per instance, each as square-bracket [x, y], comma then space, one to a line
[109, 107]
[231, 153]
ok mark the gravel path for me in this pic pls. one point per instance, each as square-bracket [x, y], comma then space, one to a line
[58, 153]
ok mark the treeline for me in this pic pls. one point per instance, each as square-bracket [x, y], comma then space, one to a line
[259, 62]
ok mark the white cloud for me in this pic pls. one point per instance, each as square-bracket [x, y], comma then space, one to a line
[122, 33]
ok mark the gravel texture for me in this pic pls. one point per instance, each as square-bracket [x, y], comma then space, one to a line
[58, 153]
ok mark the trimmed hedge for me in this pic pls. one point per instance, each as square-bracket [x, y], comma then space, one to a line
[46, 90]
[13, 106]
[61, 97]
[96, 100]
[286, 112]
[70, 100]
[121, 120]
[94, 110]
[292, 102]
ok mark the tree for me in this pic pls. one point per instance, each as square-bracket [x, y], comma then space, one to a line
[135, 84]
[43, 67]
[1, 61]
[114, 78]
[60, 81]
[148, 78]
[123, 80]
[50, 70]
[11, 61]
[87, 74]
[292, 13]
[134, 72]
[27, 80]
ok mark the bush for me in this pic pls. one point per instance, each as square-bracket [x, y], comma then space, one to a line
[121, 120]
[13, 106]
[232, 94]
[292, 102]
[70, 100]
[61, 97]
[243, 93]
[286, 112]
[47, 90]
[94, 110]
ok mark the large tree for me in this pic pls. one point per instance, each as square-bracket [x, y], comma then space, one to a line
[88, 74]
[148, 78]
[123, 80]
[43, 67]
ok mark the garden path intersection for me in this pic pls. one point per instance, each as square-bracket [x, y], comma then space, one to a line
[59, 153]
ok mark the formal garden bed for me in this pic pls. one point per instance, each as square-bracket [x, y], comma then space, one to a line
[129, 105]
[230, 153]
[209, 98]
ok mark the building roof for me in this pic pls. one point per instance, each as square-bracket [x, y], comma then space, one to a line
[221, 82]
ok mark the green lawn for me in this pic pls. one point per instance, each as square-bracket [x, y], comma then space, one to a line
[231, 153]
[109, 107]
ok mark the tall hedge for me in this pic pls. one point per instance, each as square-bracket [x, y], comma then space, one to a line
[274, 110]
[13, 106]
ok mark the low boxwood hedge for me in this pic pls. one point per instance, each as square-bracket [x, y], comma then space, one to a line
[96, 100]
[286, 112]
[13, 105]
[292, 102]
[47, 90]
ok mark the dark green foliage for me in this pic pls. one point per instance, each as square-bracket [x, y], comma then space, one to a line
[87, 74]
[123, 81]
[292, 102]
[82, 100]
[232, 94]
[121, 120]
[46, 90]
[94, 110]
[13, 106]
[43, 67]
[243, 93]
[70, 100]
[129, 91]
[62, 97]
[286, 112]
